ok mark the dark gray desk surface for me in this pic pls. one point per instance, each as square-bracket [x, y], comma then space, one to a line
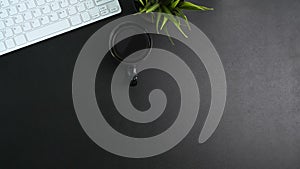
[258, 42]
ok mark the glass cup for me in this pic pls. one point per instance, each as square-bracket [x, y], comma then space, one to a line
[129, 44]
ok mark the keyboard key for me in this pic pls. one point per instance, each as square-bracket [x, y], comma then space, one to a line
[100, 2]
[10, 43]
[1, 36]
[45, 9]
[12, 10]
[80, 7]
[75, 20]
[94, 12]
[9, 22]
[53, 17]
[35, 23]
[20, 39]
[114, 9]
[2, 47]
[63, 3]
[4, 3]
[2, 26]
[40, 2]
[3, 13]
[73, 2]
[17, 29]
[62, 13]
[26, 26]
[30, 4]
[44, 20]
[72, 10]
[13, 2]
[36, 12]
[8, 32]
[85, 17]
[89, 4]
[48, 30]
[104, 12]
[54, 6]
[27, 15]
[18, 19]
[21, 7]
[102, 8]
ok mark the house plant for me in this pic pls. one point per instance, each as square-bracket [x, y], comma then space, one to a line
[166, 10]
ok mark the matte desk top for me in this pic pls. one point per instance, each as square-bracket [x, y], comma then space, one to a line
[258, 42]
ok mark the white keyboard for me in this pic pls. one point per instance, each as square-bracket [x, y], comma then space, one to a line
[25, 22]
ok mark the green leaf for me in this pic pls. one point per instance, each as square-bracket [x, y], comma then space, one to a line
[165, 2]
[181, 14]
[145, 8]
[179, 28]
[152, 17]
[158, 20]
[141, 1]
[174, 4]
[172, 19]
[178, 17]
[167, 32]
[167, 11]
[164, 22]
[191, 6]
[152, 8]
